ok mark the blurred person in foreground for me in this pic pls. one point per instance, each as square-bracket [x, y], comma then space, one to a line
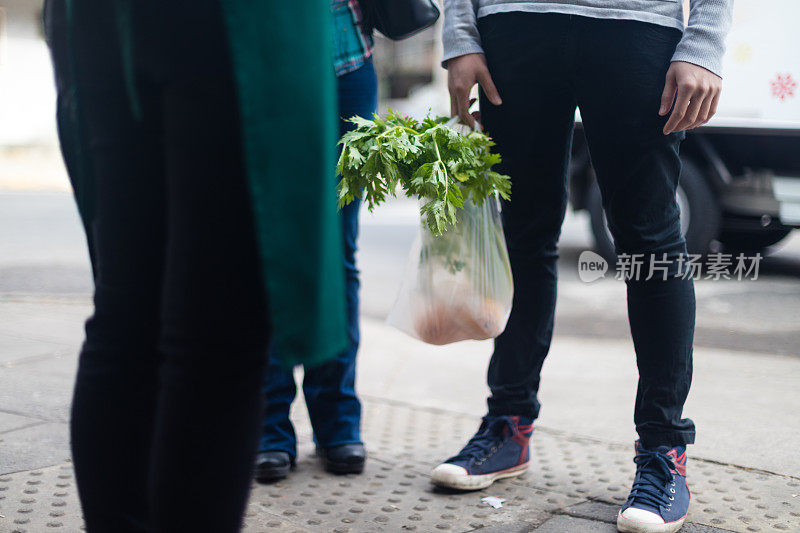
[211, 219]
[640, 79]
[329, 389]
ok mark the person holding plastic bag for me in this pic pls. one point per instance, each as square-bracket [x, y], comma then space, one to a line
[640, 78]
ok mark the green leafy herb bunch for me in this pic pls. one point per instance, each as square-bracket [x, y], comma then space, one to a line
[427, 159]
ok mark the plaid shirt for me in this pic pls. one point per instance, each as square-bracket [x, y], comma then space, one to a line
[352, 46]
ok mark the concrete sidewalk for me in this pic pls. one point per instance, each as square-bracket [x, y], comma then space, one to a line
[421, 404]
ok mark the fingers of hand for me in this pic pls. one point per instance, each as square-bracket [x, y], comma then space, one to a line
[708, 112]
[487, 84]
[680, 109]
[668, 96]
[697, 96]
[703, 100]
[696, 102]
[714, 104]
[703, 113]
[463, 112]
[477, 116]
[459, 106]
[459, 83]
[462, 74]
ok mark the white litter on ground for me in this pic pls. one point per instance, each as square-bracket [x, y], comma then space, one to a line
[494, 501]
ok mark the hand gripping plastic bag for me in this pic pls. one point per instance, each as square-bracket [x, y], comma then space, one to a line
[457, 285]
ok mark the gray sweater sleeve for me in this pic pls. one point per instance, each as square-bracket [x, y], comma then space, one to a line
[460, 30]
[703, 41]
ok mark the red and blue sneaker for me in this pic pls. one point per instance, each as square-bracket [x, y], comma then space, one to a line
[499, 449]
[659, 499]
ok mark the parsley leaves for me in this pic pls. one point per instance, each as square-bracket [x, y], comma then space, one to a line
[427, 159]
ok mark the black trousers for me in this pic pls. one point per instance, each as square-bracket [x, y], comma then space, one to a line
[167, 405]
[544, 65]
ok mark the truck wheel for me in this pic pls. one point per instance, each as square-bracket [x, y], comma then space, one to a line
[751, 241]
[700, 214]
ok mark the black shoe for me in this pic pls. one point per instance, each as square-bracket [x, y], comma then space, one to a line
[344, 459]
[271, 466]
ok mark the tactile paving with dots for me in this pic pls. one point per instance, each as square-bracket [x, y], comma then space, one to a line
[394, 493]
[40, 500]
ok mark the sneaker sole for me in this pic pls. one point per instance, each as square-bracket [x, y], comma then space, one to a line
[475, 482]
[625, 525]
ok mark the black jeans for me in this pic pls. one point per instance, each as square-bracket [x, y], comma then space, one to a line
[167, 404]
[544, 65]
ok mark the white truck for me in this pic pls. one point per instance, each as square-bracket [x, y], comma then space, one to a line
[740, 184]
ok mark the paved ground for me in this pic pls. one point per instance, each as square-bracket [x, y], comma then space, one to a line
[422, 402]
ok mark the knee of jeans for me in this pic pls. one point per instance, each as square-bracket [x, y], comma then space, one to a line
[533, 237]
[533, 250]
[534, 240]
[647, 234]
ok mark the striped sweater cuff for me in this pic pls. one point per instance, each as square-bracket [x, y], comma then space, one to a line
[460, 48]
[703, 41]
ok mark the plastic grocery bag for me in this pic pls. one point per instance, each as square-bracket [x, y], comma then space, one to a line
[457, 285]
